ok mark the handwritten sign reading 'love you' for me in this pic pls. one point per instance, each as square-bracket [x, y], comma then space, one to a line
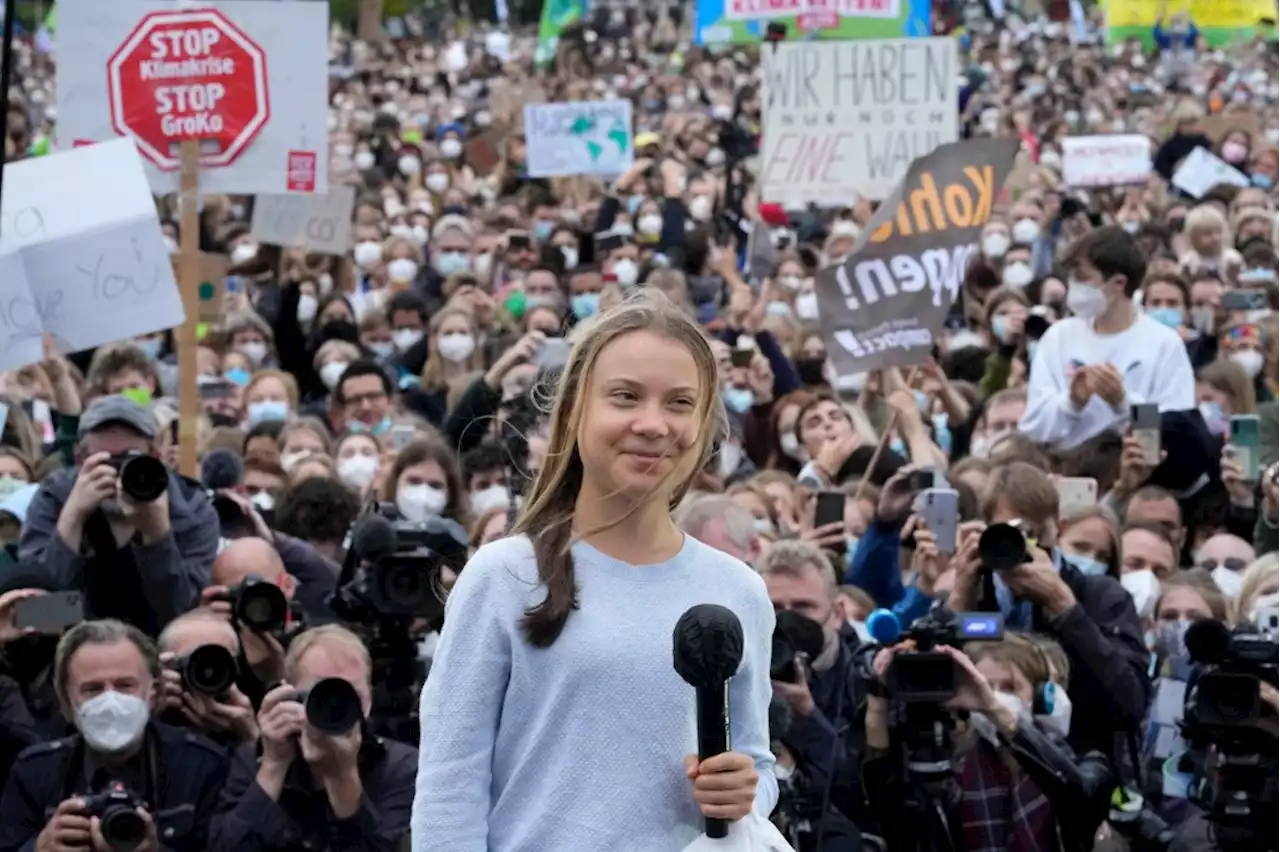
[82, 256]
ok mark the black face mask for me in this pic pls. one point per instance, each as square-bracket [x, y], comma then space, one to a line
[810, 371]
[340, 330]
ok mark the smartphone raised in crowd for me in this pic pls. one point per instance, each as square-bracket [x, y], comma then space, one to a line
[401, 437]
[50, 614]
[1243, 437]
[939, 508]
[1145, 419]
[829, 509]
[553, 354]
[1076, 494]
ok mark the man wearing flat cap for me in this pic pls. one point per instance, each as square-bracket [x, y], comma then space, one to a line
[137, 539]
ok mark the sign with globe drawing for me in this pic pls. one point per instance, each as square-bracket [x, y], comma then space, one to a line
[579, 138]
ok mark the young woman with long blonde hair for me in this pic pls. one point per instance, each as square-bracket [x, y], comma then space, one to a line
[553, 718]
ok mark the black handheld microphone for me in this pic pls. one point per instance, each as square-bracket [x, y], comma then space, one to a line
[706, 650]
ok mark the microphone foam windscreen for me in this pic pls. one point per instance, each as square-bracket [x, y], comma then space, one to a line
[1207, 641]
[221, 469]
[884, 626]
[706, 645]
[373, 537]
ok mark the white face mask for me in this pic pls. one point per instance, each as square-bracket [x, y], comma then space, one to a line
[330, 373]
[729, 458]
[807, 306]
[263, 501]
[451, 147]
[409, 166]
[493, 497]
[367, 254]
[1058, 721]
[289, 461]
[1026, 231]
[437, 182]
[1250, 360]
[626, 272]
[570, 257]
[1228, 581]
[791, 448]
[1144, 588]
[244, 253]
[307, 307]
[405, 338]
[1085, 300]
[1013, 703]
[358, 471]
[255, 351]
[456, 347]
[419, 502]
[112, 721]
[995, 245]
[1017, 275]
[364, 160]
[700, 208]
[326, 284]
[649, 224]
[402, 269]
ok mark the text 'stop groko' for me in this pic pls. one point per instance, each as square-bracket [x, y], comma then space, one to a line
[188, 75]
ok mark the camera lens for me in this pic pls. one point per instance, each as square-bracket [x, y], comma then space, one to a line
[333, 706]
[261, 605]
[122, 827]
[143, 478]
[406, 586]
[208, 670]
[1002, 547]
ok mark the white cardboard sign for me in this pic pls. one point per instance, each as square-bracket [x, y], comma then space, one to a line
[320, 223]
[1202, 170]
[295, 38]
[1106, 160]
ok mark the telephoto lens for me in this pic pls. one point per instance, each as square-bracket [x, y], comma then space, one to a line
[1003, 547]
[333, 706]
[259, 604]
[207, 670]
[144, 478]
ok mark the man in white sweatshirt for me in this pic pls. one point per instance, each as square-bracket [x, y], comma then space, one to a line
[1091, 367]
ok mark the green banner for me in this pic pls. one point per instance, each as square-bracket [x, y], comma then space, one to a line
[556, 15]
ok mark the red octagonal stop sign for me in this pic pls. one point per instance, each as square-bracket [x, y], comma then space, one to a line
[188, 74]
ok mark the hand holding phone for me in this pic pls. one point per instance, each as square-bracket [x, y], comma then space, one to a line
[940, 511]
[1076, 494]
[1145, 419]
[1244, 437]
[49, 613]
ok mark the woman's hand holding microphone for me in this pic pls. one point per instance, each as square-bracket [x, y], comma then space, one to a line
[724, 785]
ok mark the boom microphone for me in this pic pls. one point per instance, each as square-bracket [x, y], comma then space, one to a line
[706, 651]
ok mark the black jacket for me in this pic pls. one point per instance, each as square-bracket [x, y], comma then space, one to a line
[17, 725]
[178, 772]
[1102, 637]
[249, 821]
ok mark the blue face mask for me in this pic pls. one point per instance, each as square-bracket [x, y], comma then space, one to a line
[898, 446]
[1088, 565]
[542, 230]
[1170, 317]
[737, 400]
[151, 347]
[357, 427]
[1032, 345]
[942, 433]
[922, 400]
[999, 325]
[633, 204]
[237, 376]
[585, 305]
[1260, 181]
[261, 412]
[452, 262]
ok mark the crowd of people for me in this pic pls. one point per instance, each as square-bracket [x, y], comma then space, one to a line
[575, 407]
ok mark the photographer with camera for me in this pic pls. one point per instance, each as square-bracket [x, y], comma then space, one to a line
[319, 779]
[812, 672]
[125, 780]
[198, 688]
[136, 538]
[1037, 589]
[1013, 785]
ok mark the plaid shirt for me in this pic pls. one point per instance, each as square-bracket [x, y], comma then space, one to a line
[1001, 808]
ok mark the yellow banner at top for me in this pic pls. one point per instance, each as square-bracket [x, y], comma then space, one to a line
[1205, 14]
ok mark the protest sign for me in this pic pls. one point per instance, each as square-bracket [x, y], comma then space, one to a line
[1219, 22]
[882, 306]
[578, 138]
[1202, 170]
[747, 21]
[248, 78]
[1106, 160]
[846, 119]
[320, 223]
[82, 256]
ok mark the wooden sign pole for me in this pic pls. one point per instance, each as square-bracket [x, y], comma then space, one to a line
[189, 285]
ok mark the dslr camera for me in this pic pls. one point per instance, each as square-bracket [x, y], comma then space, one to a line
[207, 670]
[257, 604]
[1004, 547]
[116, 808]
[793, 635]
[924, 675]
[332, 705]
[144, 478]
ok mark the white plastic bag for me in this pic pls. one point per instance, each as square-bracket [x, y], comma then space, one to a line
[752, 833]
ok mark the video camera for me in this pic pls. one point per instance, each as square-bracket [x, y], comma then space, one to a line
[332, 705]
[394, 567]
[1223, 697]
[144, 478]
[207, 670]
[923, 675]
[116, 808]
